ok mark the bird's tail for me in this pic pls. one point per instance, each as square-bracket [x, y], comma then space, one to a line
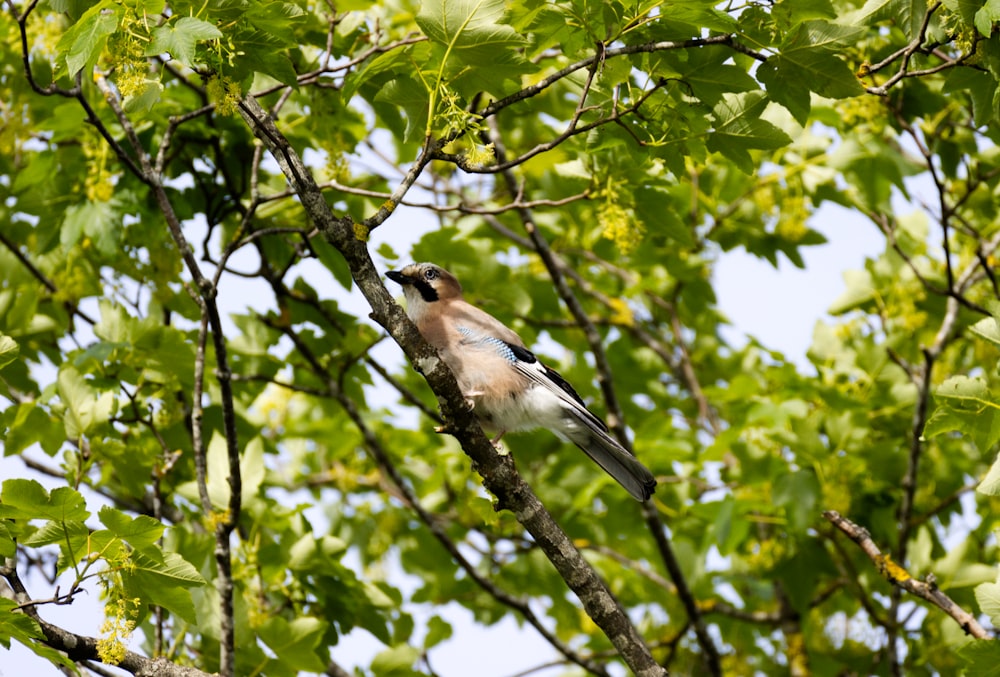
[617, 462]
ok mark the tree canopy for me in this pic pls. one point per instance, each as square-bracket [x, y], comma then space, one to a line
[197, 346]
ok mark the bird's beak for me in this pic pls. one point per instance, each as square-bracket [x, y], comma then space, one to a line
[399, 277]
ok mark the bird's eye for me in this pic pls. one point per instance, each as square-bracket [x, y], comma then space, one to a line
[431, 274]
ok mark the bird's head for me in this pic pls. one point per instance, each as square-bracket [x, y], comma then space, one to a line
[425, 283]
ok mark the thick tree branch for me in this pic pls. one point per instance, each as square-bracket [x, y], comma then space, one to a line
[498, 472]
[521, 606]
[389, 470]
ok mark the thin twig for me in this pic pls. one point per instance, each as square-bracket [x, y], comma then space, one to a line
[603, 55]
[41, 277]
[572, 129]
[906, 53]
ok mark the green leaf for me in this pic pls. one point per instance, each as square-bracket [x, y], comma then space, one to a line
[86, 406]
[180, 38]
[987, 329]
[172, 570]
[294, 642]
[969, 393]
[396, 661]
[9, 350]
[280, 19]
[739, 129]
[115, 325]
[438, 630]
[798, 493]
[707, 14]
[809, 62]
[730, 525]
[471, 28]
[873, 167]
[139, 532]
[810, 59]
[22, 498]
[980, 86]
[144, 99]
[990, 486]
[8, 548]
[27, 499]
[908, 14]
[473, 44]
[83, 42]
[411, 97]
[99, 221]
[252, 470]
[860, 291]
[967, 405]
[987, 17]
[385, 66]
[59, 532]
[982, 658]
[73, 8]
[712, 80]
[263, 57]
[15, 624]
[988, 598]
[164, 582]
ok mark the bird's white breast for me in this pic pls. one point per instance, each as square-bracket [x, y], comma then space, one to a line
[535, 407]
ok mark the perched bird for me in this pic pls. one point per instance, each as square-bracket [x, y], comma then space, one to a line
[508, 388]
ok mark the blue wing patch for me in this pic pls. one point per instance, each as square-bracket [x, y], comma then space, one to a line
[508, 351]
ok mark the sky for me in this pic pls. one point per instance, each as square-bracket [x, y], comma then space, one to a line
[780, 306]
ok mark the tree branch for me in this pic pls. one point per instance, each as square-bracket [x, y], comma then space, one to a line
[389, 470]
[498, 472]
[899, 577]
[80, 648]
[609, 53]
[41, 277]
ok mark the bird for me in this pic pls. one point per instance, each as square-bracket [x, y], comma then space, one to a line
[506, 385]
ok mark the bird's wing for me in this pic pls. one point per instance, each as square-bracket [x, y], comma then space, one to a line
[525, 362]
[478, 327]
[592, 437]
[592, 434]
